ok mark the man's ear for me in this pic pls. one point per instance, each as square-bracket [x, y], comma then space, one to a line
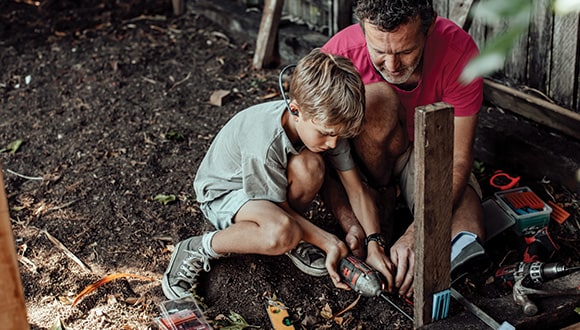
[432, 26]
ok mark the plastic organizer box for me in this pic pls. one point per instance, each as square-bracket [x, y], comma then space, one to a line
[526, 208]
[181, 314]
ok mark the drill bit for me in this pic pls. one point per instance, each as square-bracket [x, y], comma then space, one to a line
[397, 307]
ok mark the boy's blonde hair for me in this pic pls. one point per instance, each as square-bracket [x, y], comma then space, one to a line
[330, 91]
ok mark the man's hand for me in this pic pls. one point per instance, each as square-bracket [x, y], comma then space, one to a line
[377, 259]
[403, 256]
[355, 238]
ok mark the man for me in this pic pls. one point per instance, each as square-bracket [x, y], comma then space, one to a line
[408, 57]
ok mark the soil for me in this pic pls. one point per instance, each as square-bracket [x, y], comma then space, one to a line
[111, 102]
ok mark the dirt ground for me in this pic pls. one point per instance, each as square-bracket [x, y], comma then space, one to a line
[111, 102]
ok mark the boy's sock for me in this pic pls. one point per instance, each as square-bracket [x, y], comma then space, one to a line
[206, 243]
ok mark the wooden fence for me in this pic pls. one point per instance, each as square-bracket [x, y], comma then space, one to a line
[544, 61]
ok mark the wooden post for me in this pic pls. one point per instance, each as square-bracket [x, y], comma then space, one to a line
[433, 206]
[12, 305]
[266, 41]
[178, 7]
[460, 13]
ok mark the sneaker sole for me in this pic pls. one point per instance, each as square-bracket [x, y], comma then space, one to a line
[308, 270]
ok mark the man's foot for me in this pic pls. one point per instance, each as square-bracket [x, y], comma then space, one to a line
[472, 259]
[309, 259]
[188, 259]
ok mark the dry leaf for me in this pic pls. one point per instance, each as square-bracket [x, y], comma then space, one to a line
[326, 312]
[218, 97]
[92, 287]
[270, 96]
[349, 307]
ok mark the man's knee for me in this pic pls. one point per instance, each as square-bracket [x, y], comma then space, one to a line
[306, 169]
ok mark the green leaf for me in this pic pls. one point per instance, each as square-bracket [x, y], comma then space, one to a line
[176, 136]
[165, 199]
[12, 147]
[478, 166]
[234, 321]
[577, 310]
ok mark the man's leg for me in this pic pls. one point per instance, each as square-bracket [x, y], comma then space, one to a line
[468, 215]
[382, 139]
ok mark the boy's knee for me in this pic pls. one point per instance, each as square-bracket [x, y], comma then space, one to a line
[284, 236]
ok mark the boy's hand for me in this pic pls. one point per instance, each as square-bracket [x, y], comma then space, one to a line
[333, 256]
[403, 256]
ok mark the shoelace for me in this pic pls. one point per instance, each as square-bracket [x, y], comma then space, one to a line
[193, 264]
[307, 251]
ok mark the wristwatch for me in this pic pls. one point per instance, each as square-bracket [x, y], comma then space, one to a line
[377, 237]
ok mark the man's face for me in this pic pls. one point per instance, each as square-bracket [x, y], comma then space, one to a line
[397, 54]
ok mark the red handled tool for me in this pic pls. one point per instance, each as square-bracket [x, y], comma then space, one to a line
[503, 181]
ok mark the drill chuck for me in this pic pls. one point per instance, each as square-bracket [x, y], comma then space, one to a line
[360, 277]
[532, 273]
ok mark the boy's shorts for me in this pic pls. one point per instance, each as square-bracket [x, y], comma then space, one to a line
[221, 211]
[405, 173]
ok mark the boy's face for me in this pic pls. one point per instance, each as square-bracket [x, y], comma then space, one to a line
[315, 136]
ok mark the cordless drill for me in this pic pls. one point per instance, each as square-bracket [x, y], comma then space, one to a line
[365, 280]
[360, 277]
[539, 246]
[531, 273]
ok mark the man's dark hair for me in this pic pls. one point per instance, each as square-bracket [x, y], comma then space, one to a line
[388, 15]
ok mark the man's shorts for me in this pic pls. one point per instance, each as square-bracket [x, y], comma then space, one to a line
[221, 211]
[405, 173]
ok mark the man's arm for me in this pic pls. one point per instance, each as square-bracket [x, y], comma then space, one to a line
[363, 206]
[464, 136]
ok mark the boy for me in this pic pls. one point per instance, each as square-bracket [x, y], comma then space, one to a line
[265, 167]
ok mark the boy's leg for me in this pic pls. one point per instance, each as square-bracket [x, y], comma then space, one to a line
[260, 227]
[255, 226]
[305, 177]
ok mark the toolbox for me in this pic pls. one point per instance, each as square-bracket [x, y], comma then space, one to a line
[181, 314]
[529, 212]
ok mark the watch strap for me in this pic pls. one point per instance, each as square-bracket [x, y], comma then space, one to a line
[377, 237]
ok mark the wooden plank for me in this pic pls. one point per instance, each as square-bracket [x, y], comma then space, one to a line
[342, 15]
[541, 111]
[478, 31]
[266, 41]
[178, 7]
[516, 62]
[540, 53]
[433, 150]
[563, 80]
[441, 7]
[459, 12]
[12, 305]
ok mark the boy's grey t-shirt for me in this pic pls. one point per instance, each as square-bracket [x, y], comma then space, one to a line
[251, 153]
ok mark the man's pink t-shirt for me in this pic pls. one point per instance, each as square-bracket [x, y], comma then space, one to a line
[447, 50]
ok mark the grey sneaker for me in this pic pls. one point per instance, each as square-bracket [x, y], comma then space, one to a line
[309, 259]
[187, 261]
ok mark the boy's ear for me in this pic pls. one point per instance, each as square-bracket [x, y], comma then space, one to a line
[293, 107]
